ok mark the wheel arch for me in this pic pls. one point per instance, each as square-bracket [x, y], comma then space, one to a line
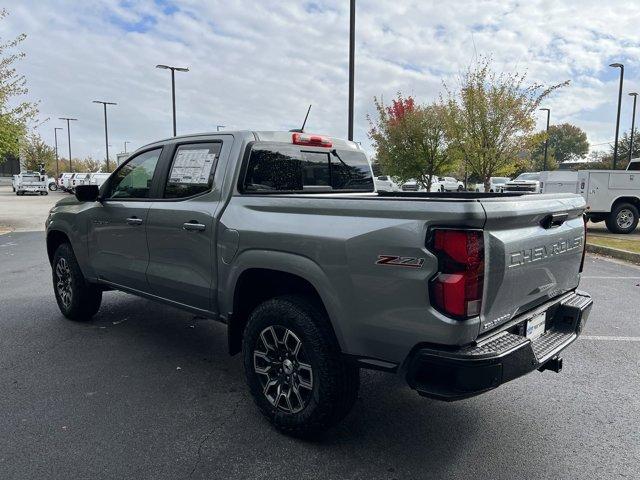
[55, 238]
[260, 275]
[635, 201]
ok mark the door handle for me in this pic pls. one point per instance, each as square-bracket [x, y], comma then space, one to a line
[134, 221]
[194, 226]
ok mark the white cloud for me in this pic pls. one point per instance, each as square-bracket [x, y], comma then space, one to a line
[257, 65]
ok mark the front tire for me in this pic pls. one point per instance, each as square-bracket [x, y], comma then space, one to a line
[77, 299]
[623, 218]
[294, 367]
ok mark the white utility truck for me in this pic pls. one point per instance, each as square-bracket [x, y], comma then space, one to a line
[612, 196]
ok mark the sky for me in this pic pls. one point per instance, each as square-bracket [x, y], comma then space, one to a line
[259, 64]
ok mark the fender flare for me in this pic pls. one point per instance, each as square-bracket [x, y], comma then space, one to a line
[285, 262]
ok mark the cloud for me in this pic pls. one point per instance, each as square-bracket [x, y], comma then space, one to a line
[257, 65]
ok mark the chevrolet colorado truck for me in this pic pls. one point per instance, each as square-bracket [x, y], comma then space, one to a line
[282, 237]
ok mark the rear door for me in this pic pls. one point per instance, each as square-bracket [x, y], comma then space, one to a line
[533, 253]
[117, 237]
[181, 227]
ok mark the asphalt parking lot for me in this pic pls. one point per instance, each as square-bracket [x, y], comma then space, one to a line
[148, 392]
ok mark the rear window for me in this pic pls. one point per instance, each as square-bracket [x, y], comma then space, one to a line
[287, 168]
[634, 166]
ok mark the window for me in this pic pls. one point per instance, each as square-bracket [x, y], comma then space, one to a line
[133, 179]
[634, 166]
[192, 169]
[287, 168]
[350, 170]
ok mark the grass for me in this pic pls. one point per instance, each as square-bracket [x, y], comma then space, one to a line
[630, 245]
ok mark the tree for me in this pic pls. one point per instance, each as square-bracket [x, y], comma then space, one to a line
[566, 142]
[35, 153]
[491, 118]
[410, 140]
[623, 148]
[14, 114]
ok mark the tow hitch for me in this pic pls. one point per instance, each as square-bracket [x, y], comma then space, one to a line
[555, 365]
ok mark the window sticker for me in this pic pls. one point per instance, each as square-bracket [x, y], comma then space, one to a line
[192, 166]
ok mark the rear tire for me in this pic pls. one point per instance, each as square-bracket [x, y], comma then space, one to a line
[623, 218]
[77, 299]
[53, 187]
[294, 367]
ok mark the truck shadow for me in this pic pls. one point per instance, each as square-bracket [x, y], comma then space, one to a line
[391, 429]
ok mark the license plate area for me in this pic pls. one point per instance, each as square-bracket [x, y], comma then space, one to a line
[535, 326]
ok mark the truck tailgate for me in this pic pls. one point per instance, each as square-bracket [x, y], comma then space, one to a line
[534, 248]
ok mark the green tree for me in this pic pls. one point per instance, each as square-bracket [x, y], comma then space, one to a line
[566, 142]
[15, 113]
[623, 148]
[36, 153]
[491, 118]
[410, 140]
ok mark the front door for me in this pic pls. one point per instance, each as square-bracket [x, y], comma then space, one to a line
[117, 231]
[181, 227]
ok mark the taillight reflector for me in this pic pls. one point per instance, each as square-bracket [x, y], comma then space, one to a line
[456, 290]
[311, 140]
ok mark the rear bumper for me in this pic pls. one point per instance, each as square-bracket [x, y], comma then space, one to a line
[447, 374]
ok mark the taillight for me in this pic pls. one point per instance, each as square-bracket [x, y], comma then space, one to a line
[584, 245]
[456, 290]
[311, 140]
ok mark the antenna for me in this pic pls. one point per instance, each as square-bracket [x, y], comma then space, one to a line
[301, 129]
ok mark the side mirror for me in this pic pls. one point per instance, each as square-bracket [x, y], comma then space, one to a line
[87, 193]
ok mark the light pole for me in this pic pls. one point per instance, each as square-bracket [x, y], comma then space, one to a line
[633, 123]
[615, 145]
[546, 142]
[352, 54]
[173, 89]
[218, 127]
[55, 136]
[125, 145]
[106, 130]
[69, 137]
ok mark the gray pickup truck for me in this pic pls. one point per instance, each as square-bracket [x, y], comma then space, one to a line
[282, 237]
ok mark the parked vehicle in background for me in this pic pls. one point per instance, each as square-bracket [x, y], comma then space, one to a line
[65, 181]
[98, 178]
[80, 179]
[524, 183]
[283, 238]
[612, 196]
[14, 182]
[559, 181]
[384, 183]
[450, 184]
[496, 184]
[31, 182]
[412, 185]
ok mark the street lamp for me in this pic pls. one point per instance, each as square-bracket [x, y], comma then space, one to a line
[69, 137]
[633, 123]
[546, 142]
[106, 131]
[352, 54]
[218, 127]
[55, 136]
[173, 89]
[615, 145]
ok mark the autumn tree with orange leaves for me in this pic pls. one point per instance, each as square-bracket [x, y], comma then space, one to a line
[410, 140]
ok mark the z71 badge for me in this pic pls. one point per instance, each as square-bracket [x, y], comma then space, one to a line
[396, 261]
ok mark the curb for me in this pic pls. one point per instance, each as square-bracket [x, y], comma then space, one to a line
[614, 253]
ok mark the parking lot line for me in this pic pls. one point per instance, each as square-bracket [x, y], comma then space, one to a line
[610, 338]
